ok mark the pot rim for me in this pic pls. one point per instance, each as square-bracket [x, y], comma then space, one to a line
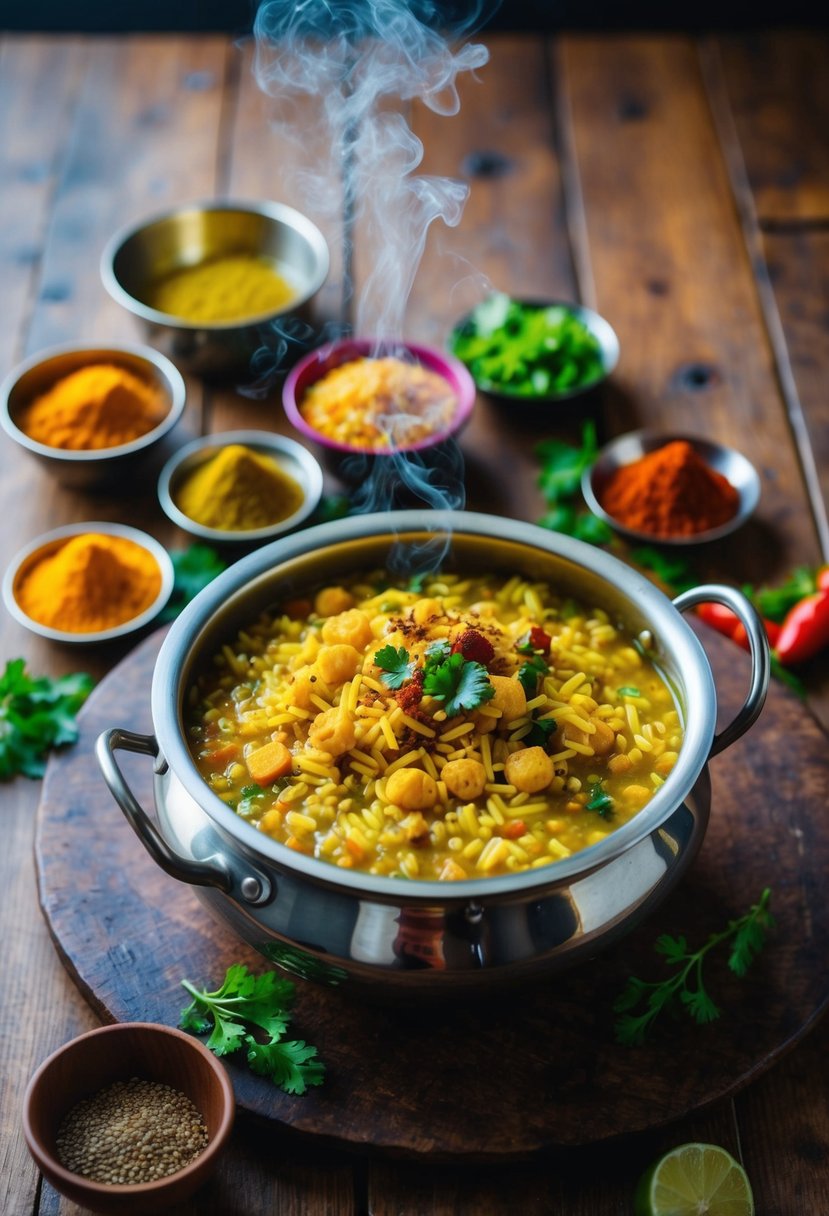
[665, 621]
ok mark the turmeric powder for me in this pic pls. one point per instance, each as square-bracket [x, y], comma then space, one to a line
[222, 290]
[98, 406]
[238, 490]
[90, 583]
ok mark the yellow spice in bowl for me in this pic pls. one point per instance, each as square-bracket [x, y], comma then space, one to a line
[223, 290]
[238, 490]
[98, 406]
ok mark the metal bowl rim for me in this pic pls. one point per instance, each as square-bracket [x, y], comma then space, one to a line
[266, 441]
[182, 641]
[272, 210]
[174, 385]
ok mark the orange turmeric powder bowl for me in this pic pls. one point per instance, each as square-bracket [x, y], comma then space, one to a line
[671, 489]
[93, 416]
[88, 582]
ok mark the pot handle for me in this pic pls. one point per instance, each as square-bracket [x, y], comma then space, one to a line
[211, 872]
[758, 647]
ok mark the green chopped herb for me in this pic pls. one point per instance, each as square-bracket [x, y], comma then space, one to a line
[396, 666]
[251, 791]
[775, 602]
[36, 714]
[530, 673]
[331, 507]
[540, 733]
[416, 582]
[263, 1002]
[580, 524]
[194, 568]
[628, 691]
[528, 350]
[459, 683]
[437, 652]
[674, 572]
[599, 800]
[562, 465]
[685, 986]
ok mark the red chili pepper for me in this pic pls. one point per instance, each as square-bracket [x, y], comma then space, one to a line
[805, 629]
[536, 639]
[822, 578]
[729, 624]
[474, 647]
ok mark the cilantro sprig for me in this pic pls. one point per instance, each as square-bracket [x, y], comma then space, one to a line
[36, 714]
[395, 665]
[685, 988]
[264, 1001]
[458, 682]
[599, 800]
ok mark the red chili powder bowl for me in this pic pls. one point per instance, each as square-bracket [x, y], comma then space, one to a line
[671, 489]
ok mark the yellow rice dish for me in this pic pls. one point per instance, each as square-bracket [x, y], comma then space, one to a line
[466, 728]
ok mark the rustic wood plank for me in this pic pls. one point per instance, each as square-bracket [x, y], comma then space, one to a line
[672, 274]
[779, 90]
[795, 1176]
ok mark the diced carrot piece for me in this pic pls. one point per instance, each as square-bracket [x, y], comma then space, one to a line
[222, 755]
[515, 829]
[268, 763]
[452, 870]
[354, 849]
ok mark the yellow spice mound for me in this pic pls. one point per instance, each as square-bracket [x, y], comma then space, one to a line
[92, 582]
[238, 490]
[100, 406]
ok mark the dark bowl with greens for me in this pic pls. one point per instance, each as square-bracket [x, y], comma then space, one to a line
[534, 350]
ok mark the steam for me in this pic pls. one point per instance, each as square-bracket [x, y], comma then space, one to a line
[345, 60]
[338, 71]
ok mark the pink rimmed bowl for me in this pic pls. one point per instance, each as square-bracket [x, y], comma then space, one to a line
[326, 358]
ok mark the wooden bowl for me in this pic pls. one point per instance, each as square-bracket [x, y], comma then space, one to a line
[86, 1065]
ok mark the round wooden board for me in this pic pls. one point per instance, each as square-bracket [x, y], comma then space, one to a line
[483, 1079]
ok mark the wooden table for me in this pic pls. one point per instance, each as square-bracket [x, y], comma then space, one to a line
[679, 185]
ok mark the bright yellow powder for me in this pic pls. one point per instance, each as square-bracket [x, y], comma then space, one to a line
[90, 583]
[99, 406]
[223, 289]
[238, 490]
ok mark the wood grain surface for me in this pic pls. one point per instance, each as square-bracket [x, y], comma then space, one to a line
[681, 185]
[414, 1079]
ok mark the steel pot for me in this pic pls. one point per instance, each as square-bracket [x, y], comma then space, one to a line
[331, 924]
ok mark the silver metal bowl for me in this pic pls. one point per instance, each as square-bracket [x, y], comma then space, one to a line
[292, 458]
[625, 449]
[97, 467]
[333, 924]
[137, 257]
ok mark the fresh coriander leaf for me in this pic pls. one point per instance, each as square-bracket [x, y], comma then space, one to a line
[530, 673]
[244, 1001]
[674, 572]
[251, 791]
[562, 466]
[591, 529]
[775, 602]
[194, 568]
[750, 934]
[293, 1066]
[599, 800]
[36, 714]
[438, 652]
[628, 690]
[686, 985]
[416, 582]
[395, 665]
[458, 682]
[540, 733]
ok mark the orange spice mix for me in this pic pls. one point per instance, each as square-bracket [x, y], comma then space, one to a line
[670, 492]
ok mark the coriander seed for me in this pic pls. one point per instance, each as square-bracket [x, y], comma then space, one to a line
[131, 1132]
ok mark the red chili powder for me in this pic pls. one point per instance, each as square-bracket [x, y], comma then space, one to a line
[669, 492]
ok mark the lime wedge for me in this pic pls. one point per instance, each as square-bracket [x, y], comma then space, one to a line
[694, 1180]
